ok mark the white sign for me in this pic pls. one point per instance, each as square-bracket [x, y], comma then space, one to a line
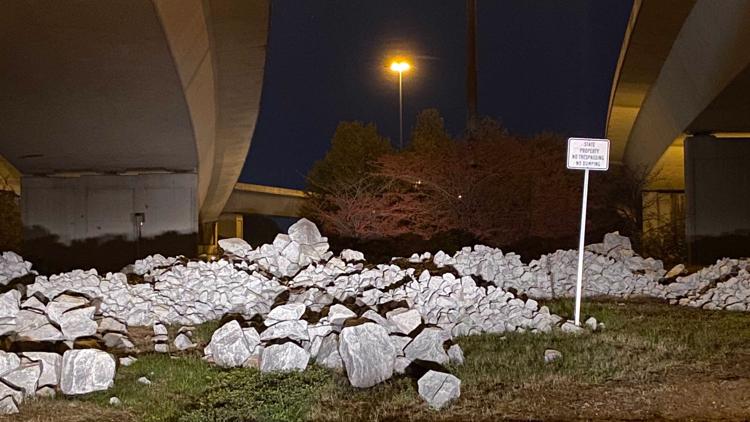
[588, 154]
[585, 154]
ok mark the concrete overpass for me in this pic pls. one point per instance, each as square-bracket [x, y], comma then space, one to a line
[248, 198]
[679, 106]
[128, 121]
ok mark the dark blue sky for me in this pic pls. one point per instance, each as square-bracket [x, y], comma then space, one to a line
[543, 65]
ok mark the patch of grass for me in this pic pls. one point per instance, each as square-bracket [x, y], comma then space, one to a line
[652, 361]
[646, 346]
[203, 332]
[174, 385]
[247, 395]
[190, 390]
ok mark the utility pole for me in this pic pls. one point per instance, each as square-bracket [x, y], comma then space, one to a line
[471, 65]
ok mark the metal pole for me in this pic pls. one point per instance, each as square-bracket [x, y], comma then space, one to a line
[581, 241]
[400, 112]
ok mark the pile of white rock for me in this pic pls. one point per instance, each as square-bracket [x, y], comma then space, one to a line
[611, 268]
[12, 266]
[724, 285]
[292, 302]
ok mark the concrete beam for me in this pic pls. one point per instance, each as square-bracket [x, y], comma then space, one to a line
[708, 54]
[267, 200]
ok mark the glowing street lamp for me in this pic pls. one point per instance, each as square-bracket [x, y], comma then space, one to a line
[400, 67]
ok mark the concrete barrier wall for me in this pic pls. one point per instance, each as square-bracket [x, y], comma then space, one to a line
[92, 219]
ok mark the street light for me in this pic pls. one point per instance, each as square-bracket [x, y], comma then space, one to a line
[400, 67]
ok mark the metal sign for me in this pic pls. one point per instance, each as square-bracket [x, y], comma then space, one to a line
[585, 154]
[588, 154]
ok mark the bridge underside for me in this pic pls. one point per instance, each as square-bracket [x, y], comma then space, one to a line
[127, 121]
[684, 73]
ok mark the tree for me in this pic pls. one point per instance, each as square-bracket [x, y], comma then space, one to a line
[429, 132]
[341, 180]
[354, 147]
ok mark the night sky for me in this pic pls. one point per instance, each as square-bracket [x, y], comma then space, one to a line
[543, 65]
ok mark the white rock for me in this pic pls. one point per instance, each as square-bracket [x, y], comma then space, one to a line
[402, 363]
[428, 346]
[9, 362]
[293, 330]
[144, 381]
[591, 323]
[228, 347]
[405, 320]
[338, 313]
[46, 392]
[367, 353]
[160, 329]
[551, 355]
[62, 304]
[380, 320]
[570, 327]
[33, 326]
[114, 401]
[288, 312]
[51, 364]
[117, 341]
[86, 370]
[183, 342]
[284, 357]
[439, 389]
[456, 355]
[350, 255]
[235, 246]
[8, 406]
[328, 354]
[78, 323]
[112, 325]
[128, 360]
[305, 232]
[25, 377]
[677, 270]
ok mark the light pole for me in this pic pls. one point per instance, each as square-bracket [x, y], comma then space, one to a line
[400, 67]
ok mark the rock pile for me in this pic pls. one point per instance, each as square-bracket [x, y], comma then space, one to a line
[611, 268]
[292, 303]
[12, 266]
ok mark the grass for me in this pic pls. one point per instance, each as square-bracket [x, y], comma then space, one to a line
[652, 361]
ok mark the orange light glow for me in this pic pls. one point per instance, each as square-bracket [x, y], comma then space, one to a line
[400, 66]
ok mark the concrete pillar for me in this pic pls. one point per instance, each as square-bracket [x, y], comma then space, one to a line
[717, 182]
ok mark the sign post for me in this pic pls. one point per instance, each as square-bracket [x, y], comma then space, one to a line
[585, 154]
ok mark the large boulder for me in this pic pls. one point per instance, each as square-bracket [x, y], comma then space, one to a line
[235, 246]
[284, 357]
[368, 354]
[86, 370]
[229, 346]
[438, 389]
[428, 346]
